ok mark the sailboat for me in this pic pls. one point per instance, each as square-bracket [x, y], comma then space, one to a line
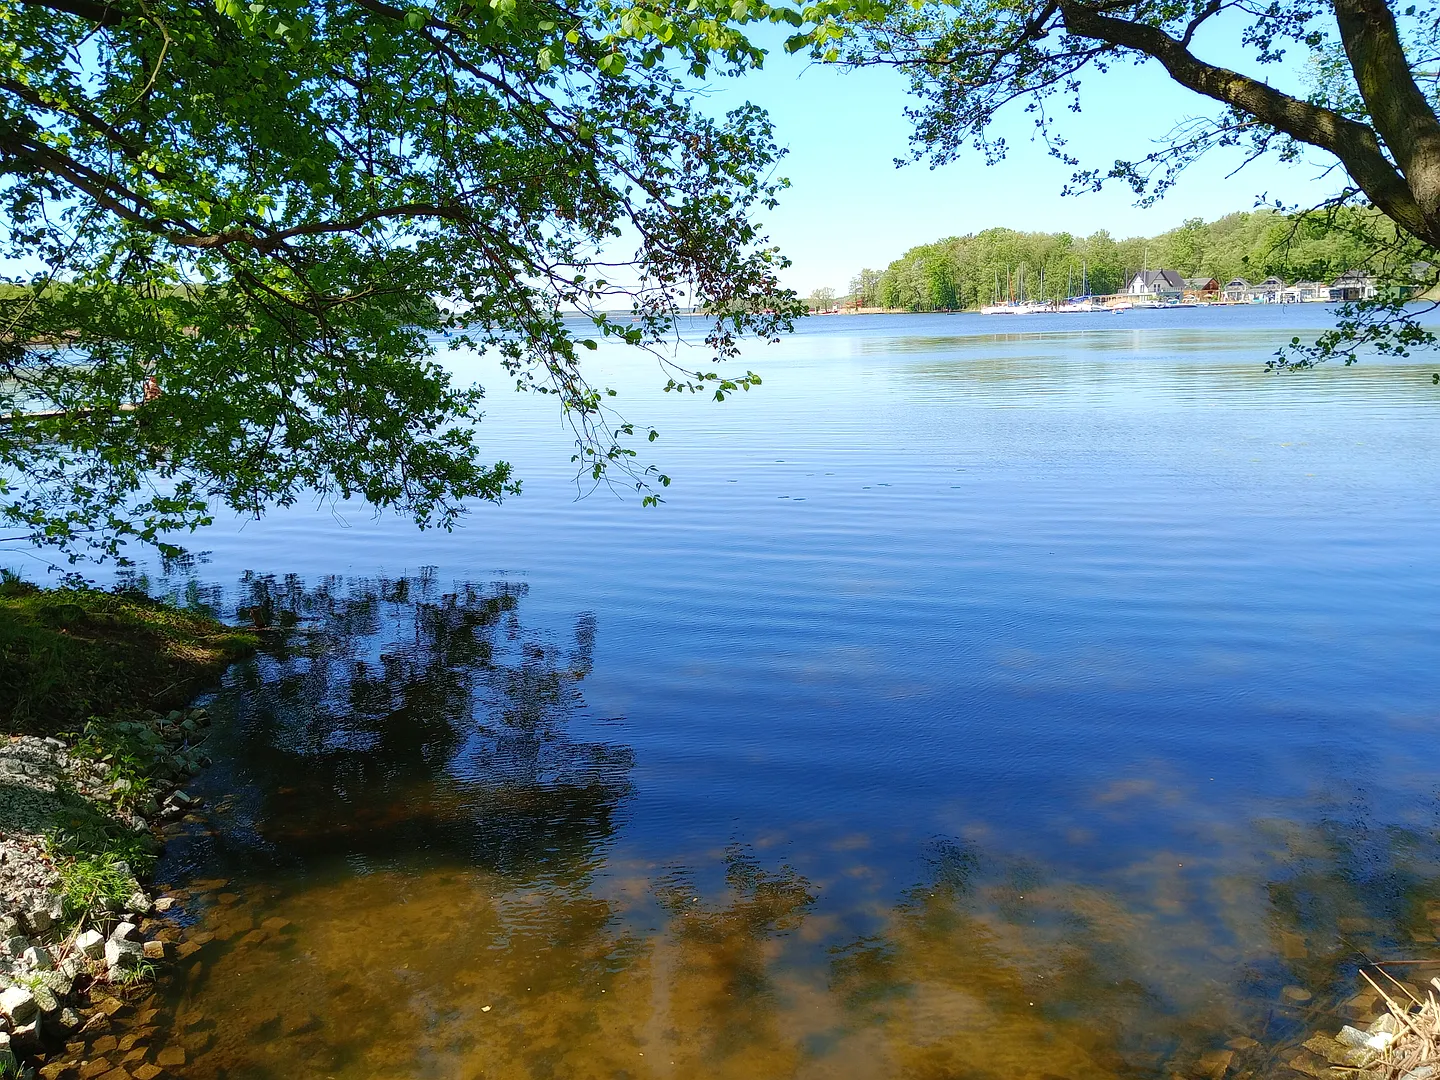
[997, 308]
[1084, 301]
[1011, 306]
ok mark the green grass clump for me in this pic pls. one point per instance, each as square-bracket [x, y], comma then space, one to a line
[143, 972]
[97, 857]
[70, 654]
[94, 884]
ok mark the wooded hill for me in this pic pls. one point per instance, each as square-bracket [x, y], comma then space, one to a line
[964, 271]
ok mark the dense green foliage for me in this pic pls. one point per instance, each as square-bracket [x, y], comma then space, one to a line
[273, 211]
[965, 271]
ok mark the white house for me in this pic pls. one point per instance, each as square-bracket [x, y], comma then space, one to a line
[1156, 283]
[1305, 292]
[1237, 290]
[1269, 290]
[1353, 285]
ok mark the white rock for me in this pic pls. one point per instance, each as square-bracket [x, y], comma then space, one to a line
[126, 931]
[18, 1004]
[1386, 1022]
[1381, 1040]
[38, 957]
[123, 954]
[91, 944]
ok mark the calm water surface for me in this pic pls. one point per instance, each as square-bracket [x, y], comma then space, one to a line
[1023, 698]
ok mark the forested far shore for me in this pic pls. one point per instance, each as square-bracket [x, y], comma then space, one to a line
[982, 268]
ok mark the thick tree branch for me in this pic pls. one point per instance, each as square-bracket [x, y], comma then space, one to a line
[1400, 112]
[102, 14]
[1353, 143]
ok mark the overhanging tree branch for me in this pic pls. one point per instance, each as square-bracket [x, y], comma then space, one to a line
[1353, 143]
[1400, 112]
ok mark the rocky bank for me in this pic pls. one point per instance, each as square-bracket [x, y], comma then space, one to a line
[78, 932]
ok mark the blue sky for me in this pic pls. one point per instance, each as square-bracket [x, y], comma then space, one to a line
[849, 207]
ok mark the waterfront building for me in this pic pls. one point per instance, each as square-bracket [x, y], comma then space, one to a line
[1164, 283]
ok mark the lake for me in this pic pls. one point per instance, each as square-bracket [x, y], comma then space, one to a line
[1022, 697]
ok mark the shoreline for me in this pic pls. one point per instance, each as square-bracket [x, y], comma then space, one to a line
[84, 797]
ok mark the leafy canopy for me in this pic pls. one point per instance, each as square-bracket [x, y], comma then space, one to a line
[255, 220]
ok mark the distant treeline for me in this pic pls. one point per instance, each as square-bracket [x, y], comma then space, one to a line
[965, 271]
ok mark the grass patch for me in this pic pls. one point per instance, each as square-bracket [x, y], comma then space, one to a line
[98, 859]
[74, 653]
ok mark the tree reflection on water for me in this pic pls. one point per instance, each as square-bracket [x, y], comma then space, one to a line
[389, 718]
[421, 881]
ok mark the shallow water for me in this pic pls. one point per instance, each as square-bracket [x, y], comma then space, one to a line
[1020, 701]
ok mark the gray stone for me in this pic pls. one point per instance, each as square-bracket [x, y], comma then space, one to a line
[39, 920]
[38, 957]
[121, 954]
[46, 1001]
[140, 903]
[1352, 1037]
[1386, 1022]
[18, 1004]
[67, 1020]
[15, 946]
[91, 944]
[60, 982]
[126, 931]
